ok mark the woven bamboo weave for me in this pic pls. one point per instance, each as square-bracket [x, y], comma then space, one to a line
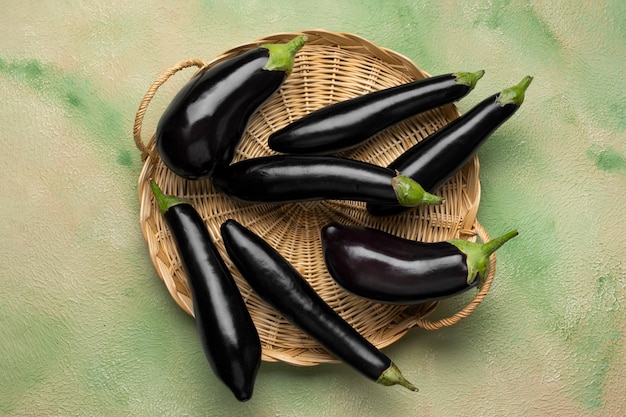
[329, 68]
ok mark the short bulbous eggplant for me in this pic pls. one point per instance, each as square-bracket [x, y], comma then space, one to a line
[228, 335]
[206, 120]
[279, 284]
[346, 124]
[386, 268]
[434, 160]
[290, 178]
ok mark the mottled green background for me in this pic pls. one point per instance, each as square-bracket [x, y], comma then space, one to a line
[87, 328]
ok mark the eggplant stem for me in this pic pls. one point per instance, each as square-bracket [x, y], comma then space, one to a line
[515, 95]
[393, 376]
[478, 254]
[493, 245]
[410, 194]
[282, 54]
[469, 78]
[165, 202]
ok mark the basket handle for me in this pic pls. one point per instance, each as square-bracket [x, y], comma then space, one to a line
[143, 106]
[478, 298]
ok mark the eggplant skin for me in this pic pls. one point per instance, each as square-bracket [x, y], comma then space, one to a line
[290, 178]
[278, 283]
[347, 124]
[225, 328]
[385, 268]
[203, 125]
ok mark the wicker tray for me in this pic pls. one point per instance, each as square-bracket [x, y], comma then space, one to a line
[329, 68]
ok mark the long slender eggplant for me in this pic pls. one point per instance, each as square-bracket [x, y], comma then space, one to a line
[438, 157]
[289, 178]
[382, 267]
[349, 123]
[206, 120]
[226, 330]
[278, 283]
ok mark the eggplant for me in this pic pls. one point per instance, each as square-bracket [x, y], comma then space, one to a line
[434, 160]
[346, 124]
[280, 285]
[290, 178]
[205, 122]
[386, 268]
[223, 323]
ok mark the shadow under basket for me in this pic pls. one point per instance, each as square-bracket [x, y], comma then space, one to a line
[331, 67]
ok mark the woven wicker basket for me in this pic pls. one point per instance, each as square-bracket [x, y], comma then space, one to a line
[329, 68]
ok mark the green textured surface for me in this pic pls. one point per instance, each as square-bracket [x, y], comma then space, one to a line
[87, 328]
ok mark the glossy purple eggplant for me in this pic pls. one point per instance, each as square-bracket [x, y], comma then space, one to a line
[434, 160]
[346, 124]
[203, 125]
[382, 267]
[224, 325]
[290, 178]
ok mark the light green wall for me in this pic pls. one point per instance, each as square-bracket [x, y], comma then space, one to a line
[87, 328]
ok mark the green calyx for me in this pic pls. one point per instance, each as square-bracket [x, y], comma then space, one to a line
[410, 194]
[165, 202]
[478, 254]
[469, 78]
[282, 54]
[393, 376]
[514, 95]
